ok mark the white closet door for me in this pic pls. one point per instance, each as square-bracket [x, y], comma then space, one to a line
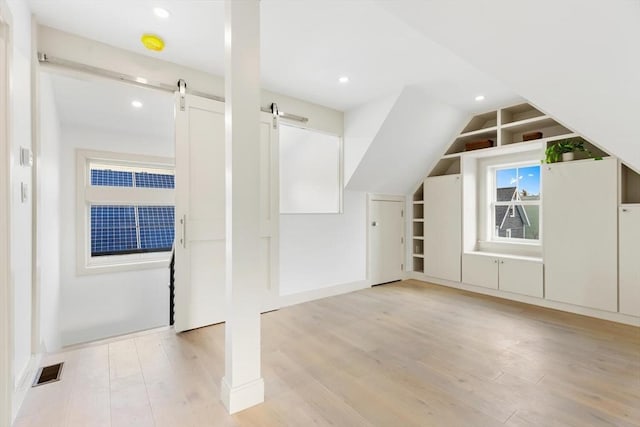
[200, 213]
[630, 260]
[480, 270]
[386, 234]
[442, 227]
[580, 233]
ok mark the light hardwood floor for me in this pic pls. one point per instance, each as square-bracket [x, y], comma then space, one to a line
[405, 354]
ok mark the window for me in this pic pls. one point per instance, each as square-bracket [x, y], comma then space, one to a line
[128, 209]
[310, 171]
[515, 205]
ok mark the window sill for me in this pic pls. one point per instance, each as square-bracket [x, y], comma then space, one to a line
[115, 264]
[504, 248]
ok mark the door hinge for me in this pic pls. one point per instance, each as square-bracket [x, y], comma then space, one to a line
[402, 267]
[182, 88]
[402, 240]
[402, 213]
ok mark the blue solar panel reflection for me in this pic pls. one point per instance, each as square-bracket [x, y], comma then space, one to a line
[111, 178]
[113, 229]
[156, 227]
[154, 180]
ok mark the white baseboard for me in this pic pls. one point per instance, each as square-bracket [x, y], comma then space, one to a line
[585, 311]
[329, 291]
[24, 383]
[237, 399]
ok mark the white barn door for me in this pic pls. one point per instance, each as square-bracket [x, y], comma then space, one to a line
[200, 213]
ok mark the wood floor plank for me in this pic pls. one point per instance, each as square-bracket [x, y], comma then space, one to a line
[405, 354]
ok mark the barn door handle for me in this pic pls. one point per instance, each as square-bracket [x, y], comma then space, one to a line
[183, 231]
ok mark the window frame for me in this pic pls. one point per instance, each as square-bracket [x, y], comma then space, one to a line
[491, 190]
[87, 195]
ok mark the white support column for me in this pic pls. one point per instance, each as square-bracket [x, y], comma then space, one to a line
[242, 385]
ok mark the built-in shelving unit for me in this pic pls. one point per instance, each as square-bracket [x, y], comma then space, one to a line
[579, 155]
[503, 127]
[629, 185]
[449, 244]
[448, 165]
[418, 230]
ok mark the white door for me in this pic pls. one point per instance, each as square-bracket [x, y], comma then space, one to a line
[386, 234]
[443, 227]
[200, 213]
[521, 277]
[629, 265]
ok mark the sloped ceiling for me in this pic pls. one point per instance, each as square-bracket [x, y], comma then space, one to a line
[577, 61]
[414, 134]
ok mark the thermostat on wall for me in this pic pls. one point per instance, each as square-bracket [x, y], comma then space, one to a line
[26, 158]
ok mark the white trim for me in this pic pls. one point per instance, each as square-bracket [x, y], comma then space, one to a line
[85, 193]
[330, 291]
[6, 284]
[24, 382]
[242, 397]
[570, 308]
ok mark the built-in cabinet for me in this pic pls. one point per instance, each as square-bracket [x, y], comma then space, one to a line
[442, 227]
[629, 246]
[590, 221]
[520, 275]
[580, 233]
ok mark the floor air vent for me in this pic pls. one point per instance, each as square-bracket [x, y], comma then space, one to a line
[48, 374]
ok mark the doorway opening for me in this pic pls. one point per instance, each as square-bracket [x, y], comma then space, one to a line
[104, 208]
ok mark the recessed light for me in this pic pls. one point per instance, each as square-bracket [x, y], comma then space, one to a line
[480, 98]
[136, 104]
[344, 79]
[161, 12]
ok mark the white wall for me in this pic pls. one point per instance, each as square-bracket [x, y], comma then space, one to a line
[324, 250]
[103, 305]
[417, 130]
[49, 217]
[20, 212]
[361, 125]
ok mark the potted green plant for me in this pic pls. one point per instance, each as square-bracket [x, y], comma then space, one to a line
[565, 149]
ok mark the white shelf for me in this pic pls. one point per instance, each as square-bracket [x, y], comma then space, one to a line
[479, 132]
[418, 219]
[418, 202]
[418, 256]
[524, 125]
[418, 237]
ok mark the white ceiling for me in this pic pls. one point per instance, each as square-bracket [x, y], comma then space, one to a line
[306, 46]
[106, 105]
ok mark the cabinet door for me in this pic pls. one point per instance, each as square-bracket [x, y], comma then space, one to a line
[580, 233]
[480, 270]
[521, 277]
[442, 227]
[629, 261]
